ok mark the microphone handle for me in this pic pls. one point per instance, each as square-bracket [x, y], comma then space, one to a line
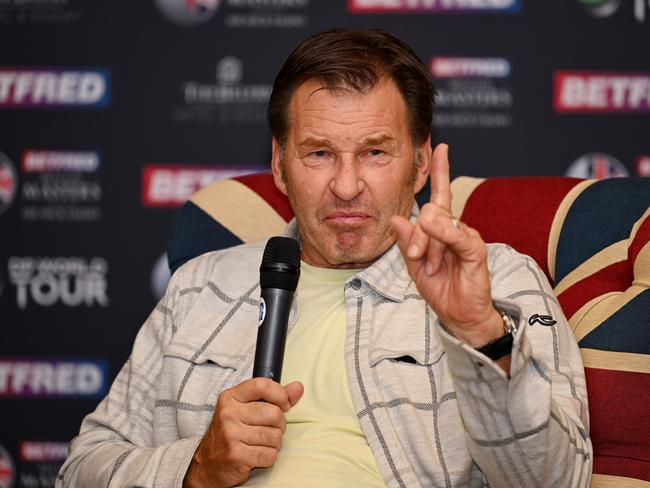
[272, 334]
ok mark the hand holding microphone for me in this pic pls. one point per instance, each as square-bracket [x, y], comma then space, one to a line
[248, 423]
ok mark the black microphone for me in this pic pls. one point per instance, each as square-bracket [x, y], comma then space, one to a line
[279, 273]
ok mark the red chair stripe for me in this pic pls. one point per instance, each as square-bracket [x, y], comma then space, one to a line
[620, 428]
[525, 212]
[615, 277]
[263, 185]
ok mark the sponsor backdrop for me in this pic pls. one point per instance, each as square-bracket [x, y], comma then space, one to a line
[112, 115]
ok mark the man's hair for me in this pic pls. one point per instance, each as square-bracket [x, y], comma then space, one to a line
[356, 60]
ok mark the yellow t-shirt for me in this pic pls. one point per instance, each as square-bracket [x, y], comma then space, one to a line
[323, 445]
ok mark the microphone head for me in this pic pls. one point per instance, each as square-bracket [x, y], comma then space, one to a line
[280, 266]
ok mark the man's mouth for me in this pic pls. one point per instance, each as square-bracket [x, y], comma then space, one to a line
[347, 218]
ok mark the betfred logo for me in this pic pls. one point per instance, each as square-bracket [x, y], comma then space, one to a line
[472, 92]
[24, 378]
[582, 91]
[40, 462]
[39, 88]
[448, 67]
[61, 186]
[60, 161]
[434, 6]
[42, 452]
[171, 185]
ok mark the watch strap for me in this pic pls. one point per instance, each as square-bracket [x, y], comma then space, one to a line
[501, 346]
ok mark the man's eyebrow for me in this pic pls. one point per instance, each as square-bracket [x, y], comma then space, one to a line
[378, 140]
[314, 142]
[382, 139]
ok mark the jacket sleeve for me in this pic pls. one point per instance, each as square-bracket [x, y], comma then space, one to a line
[531, 430]
[115, 445]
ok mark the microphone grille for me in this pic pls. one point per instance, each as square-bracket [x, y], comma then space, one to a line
[280, 266]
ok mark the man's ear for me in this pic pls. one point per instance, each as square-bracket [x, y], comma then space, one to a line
[276, 163]
[424, 168]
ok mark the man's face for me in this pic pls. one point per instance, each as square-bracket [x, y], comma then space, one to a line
[349, 165]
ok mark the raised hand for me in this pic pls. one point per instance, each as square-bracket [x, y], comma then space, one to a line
[245, 433]
[448, 262]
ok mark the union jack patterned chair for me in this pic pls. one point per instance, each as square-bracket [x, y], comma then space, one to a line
[591, 238]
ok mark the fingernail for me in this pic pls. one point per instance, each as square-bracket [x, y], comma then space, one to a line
[428, 269]
[412, 251]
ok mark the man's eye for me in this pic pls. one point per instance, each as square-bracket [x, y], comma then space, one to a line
[319, 158]
[375, 152]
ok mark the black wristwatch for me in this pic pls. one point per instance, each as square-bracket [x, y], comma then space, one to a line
[502, 346]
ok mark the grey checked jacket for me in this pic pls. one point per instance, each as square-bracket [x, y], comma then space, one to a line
[434, 411]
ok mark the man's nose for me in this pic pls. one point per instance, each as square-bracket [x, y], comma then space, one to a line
[347, 182]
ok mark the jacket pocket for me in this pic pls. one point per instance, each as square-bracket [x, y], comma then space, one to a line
[198, 365]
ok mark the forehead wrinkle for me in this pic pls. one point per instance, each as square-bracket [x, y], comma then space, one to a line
[320, 116]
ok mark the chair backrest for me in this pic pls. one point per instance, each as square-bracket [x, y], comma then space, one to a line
[591, 238]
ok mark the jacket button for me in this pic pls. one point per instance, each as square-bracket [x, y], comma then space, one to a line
[355, 283]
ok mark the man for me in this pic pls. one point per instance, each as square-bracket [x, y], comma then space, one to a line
[401, 335]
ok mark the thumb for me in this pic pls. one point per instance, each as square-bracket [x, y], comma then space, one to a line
[294, 391]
